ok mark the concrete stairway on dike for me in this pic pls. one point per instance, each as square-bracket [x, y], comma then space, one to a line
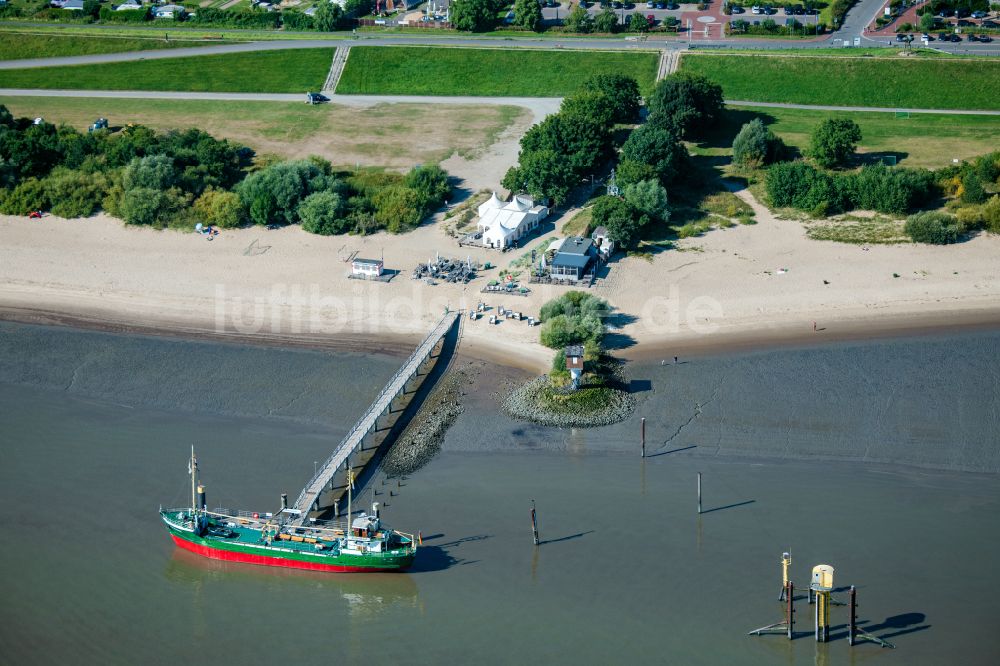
[669, 60]
[337, 68]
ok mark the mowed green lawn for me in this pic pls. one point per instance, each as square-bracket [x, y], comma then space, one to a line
[288, 71]
[884, 82]
[491, 72]
[19, 46]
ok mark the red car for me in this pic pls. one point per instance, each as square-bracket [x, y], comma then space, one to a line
[35, 215]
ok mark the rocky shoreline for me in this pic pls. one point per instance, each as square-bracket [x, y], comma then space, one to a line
[423, 436]
[525, 403]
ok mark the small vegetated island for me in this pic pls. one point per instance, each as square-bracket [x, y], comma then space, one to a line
[180, 178]
[586, 387]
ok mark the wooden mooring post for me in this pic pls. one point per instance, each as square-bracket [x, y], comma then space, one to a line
[534, 523]
[699, 493]
[643, 436]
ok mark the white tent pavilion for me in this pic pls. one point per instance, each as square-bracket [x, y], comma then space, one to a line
[502, 223]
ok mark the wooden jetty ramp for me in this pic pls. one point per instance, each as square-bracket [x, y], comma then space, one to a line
[330, 480]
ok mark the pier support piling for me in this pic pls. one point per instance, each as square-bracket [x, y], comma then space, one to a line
[642, 436]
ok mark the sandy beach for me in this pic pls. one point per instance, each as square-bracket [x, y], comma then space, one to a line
[737, 287]
[744, 285]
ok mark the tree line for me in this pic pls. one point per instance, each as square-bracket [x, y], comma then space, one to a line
[327, 18]
[181, 177]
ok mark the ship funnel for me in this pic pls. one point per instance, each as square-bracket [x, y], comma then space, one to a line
[284, 501]
[375, 509]
[201, 497]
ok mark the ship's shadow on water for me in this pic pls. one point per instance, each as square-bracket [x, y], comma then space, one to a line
[436, 557]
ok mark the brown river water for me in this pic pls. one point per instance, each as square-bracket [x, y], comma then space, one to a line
[95, 428]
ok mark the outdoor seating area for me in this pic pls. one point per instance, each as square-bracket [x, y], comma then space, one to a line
[446, 270]
[501, 314]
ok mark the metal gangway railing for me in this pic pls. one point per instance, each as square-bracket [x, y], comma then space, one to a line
[307, 498]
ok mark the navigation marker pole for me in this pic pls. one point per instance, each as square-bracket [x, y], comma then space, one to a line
[534, 523]
[786, 561]
[699, 493]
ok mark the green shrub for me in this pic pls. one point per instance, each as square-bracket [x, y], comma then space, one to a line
[398, 208]
[149, 207]
[75, 193]
[431, 182]
[29, 195]
[323, 213]
[756, 145]
[932, 227]
[220, 208]
[799, 185]
[833, 141]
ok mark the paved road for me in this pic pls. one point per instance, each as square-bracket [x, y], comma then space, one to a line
[540, 106]
[882, 109]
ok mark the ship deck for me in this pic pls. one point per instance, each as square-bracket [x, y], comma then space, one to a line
[250, 535]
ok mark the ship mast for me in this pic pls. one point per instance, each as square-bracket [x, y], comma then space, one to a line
[193, 464]
[350, 486]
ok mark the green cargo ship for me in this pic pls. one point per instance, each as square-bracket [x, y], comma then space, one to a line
[282, 540]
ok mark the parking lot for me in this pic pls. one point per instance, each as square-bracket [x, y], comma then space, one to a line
[701, 23]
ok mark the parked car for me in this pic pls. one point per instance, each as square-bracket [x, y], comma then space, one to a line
[798, 10]
[972, 38]
[672, 6]
[316, 98]
[955, 38]
[990, 24]
[770, 10]
[964, 24]
[661, 5]
[788, 10]
[926, 37]
[985, 38]
[755, 9]
[736, 10]
[978, 14]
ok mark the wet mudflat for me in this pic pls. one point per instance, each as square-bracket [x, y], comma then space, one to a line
[626, 570]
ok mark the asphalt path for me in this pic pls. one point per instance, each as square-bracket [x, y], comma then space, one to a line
[880, 109]
[540, 106]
